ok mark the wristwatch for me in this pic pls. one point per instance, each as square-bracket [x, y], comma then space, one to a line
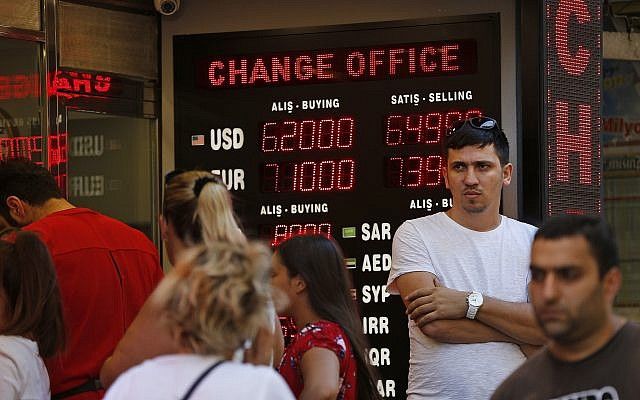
[474, 301]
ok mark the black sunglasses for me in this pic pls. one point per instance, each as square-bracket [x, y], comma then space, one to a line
[484, 123]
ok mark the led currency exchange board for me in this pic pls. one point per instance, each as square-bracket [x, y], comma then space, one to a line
[337, 130]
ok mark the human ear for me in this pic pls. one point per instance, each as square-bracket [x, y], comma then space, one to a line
[299, 284]
[445, 174]
[611, 282]
[17, 210]
[507, 172]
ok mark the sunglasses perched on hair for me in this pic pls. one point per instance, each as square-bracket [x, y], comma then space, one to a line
[484, 123]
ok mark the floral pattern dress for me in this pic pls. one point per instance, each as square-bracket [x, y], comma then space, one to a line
[327, 335]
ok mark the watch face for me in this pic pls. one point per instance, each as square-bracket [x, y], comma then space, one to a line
[475, 299]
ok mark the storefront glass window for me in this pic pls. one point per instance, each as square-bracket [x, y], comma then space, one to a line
[20, 100]
[621, 164]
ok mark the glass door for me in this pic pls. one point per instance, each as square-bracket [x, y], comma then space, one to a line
[112, 167]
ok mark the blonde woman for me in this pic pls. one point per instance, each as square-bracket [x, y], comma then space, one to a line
[211, 304]
[197, 211]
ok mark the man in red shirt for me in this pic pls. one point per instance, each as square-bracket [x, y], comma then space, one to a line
[106, 270]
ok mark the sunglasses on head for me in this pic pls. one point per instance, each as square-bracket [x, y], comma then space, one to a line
[484, 123]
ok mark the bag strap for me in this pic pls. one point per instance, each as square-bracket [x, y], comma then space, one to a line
[200, 378]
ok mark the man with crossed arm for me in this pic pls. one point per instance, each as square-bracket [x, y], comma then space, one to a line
[463, 275]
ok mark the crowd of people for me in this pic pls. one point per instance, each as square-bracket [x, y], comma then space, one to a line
[496, 308]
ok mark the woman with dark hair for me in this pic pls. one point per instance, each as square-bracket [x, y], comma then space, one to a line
[327, 358]
[31, 323]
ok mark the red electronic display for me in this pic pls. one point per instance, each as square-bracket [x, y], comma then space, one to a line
[336, 65]
[309, 176]
[307, 134]
[572, 103]
[427, 128]
[413, 171]
[337, 131]
[282, 232]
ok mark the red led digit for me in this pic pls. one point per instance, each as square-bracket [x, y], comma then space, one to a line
[473, 113]
[280, 234]
[427, 128]
[394, 172]
[394, 130]
[308, 176]
[327, 168]
[324, 229]
[413, 172]
[346, 172]
[289, 131]
[288, 177]
[433, 127]
[295, 229]
[307, 134]
[283, 232]
[270, 178]
[413, 127]
[307, 182]
[325, 134]
[432, 170]
[345, 133]
[269, 137]
[451, 117]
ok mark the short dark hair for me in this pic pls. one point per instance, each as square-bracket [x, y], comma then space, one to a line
[467, 135]
[26, 180]
[595, 230]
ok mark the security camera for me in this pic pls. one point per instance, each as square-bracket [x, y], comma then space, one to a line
[166, 7]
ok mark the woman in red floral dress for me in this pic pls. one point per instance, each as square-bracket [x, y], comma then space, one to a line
[326, 359]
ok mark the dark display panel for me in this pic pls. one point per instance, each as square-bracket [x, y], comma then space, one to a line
[337, 130]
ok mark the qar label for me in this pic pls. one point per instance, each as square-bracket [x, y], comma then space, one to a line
[387, 388]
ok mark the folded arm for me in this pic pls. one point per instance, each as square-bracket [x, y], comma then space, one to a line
[515, 320]
[446, 330]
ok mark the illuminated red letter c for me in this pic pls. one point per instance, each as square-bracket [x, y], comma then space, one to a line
[574, 64]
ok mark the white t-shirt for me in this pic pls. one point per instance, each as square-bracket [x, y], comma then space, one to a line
[22, 373]
[171, 376]
[495, 263]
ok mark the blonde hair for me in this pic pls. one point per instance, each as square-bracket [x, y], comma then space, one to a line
[198, 205]
[218, 298]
